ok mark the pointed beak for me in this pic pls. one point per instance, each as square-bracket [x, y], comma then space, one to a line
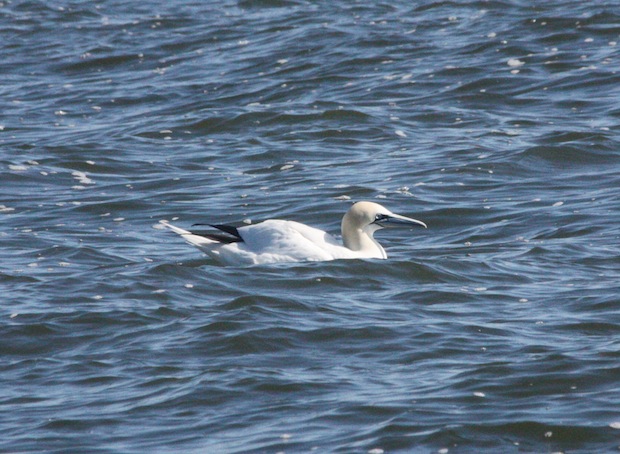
[396, 220]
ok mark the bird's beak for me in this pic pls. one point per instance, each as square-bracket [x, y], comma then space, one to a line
[396, 220]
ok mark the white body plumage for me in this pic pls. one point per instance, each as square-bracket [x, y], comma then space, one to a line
[277, 240]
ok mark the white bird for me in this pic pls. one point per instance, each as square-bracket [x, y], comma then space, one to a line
[289, 241]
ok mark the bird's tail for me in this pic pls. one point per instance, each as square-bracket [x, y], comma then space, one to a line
[200, 242]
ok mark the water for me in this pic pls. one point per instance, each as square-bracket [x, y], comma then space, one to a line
[495, 330]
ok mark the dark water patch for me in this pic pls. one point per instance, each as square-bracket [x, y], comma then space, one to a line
[258, 303]
[93, 62]
[514, 437]
[592, 328]
[563, 156]
[27, 339]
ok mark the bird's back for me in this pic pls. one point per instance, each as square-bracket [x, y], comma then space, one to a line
[278, 240]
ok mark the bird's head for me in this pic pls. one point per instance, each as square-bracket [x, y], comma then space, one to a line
[368, 217]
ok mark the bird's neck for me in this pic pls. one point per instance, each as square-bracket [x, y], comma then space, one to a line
[360, 241]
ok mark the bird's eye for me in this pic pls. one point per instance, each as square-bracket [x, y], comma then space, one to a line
[380, 217]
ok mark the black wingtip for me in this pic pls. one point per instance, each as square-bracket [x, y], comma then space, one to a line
[234, 237]
[231, 230]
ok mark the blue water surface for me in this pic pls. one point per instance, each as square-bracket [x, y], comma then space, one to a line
[495, 330]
